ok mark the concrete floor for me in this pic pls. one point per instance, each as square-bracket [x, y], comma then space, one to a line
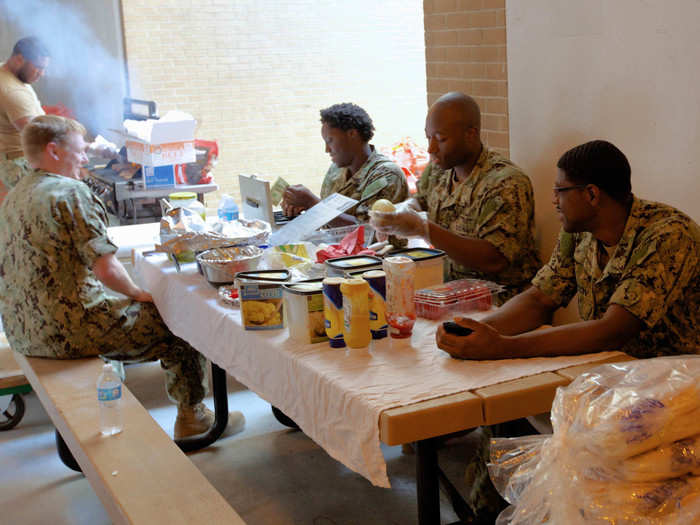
[270, 474]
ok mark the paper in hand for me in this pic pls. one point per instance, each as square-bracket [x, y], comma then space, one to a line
[277, 190]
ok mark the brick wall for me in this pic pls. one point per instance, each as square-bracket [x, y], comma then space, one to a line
[255, 73]
[465, 50]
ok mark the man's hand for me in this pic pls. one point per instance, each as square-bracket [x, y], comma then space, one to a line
[297, 198]
[483, 343]
[113, 275]
[406, 222]
[143, 297]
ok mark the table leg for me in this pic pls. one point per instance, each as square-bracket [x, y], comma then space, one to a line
[283, 418]
[218, 377]
[65, 454]
[427, 485]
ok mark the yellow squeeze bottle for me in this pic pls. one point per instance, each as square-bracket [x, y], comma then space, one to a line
[356, 313]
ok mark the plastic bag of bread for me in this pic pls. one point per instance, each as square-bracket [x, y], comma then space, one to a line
[623, 450]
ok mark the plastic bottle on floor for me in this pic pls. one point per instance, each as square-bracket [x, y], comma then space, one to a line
[109, 396]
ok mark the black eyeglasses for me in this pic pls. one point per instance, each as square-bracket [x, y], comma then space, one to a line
[558, 191]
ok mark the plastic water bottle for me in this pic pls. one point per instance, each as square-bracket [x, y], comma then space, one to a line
[228, 209]
[109, 395]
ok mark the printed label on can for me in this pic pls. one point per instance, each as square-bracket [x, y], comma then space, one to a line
[262, 307]
[377, 306]
[333, 314]
[317, 323]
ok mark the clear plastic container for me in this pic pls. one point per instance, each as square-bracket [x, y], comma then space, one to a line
[188, 199]
[335, 235]
[455, 297]
[400, 311]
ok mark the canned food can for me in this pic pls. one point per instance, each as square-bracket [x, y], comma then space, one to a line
[377, 303]
[333, 311]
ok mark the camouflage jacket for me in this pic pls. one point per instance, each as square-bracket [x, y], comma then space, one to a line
[378, 178]
[654, 273]
[496, 204]
[52, 230]
[13, 170]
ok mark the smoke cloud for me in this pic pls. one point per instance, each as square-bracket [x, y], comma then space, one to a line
[83, 74]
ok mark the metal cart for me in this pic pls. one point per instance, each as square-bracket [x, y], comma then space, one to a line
[12, 383]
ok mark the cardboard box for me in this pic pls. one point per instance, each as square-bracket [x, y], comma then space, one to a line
[158, 176]
[166, 142]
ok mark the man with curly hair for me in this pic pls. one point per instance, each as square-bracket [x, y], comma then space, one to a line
[358, 171]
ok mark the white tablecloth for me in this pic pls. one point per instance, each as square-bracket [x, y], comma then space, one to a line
[335, 395]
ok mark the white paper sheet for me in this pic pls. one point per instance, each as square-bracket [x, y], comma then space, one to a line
[310, 221]
[335, 395]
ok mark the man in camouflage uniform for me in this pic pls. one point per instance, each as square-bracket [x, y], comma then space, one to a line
[55, 263]
[634, 264]
[471, 202]
[357, 171]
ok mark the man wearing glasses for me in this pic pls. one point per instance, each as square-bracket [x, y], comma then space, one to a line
[634, 264]
[471, 202]
[18, 105]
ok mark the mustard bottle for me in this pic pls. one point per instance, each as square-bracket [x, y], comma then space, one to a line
[356, 313]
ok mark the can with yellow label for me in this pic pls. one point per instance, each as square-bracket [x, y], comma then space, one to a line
[377, 303]
[333, 311]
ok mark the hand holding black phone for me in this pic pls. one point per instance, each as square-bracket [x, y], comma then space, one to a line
[456, 329]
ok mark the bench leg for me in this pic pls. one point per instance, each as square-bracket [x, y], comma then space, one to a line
[65, 454]
[218, 378]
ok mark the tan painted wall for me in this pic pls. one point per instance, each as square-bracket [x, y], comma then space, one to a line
[625, 71]
[255, 74]
[465, 50]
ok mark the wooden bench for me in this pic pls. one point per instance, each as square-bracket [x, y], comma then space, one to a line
[140, 474]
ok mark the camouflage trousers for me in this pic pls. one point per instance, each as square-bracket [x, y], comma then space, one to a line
[141, 335]
[483, 498]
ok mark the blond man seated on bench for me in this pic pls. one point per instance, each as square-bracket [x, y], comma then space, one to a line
[56, 263]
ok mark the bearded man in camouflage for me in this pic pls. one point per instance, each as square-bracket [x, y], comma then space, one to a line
[471, 202]
[55, 263]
